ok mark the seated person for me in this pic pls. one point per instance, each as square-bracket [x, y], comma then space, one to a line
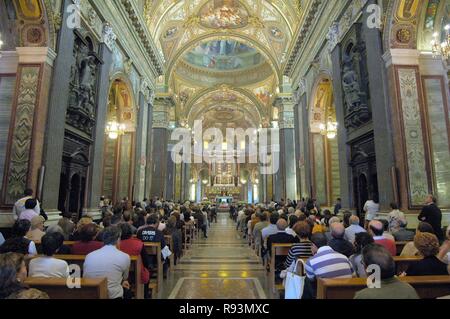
[376, 229]
[13, 272]
[17, 243]
[135, 247]
[428, 246]
[302, 249]
[109, 262]
[87, 243]
[151, 234]
[361, 240]
[353, 229]
[48, 266]
[37, 229]
[391, 287]
[67, 225]
[444, 252]
[326, 263]
[338, 243]
[281, 237]
[410, 249]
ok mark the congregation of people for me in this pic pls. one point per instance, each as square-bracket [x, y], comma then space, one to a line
[334, 244]
[107, 244]
[338, 245]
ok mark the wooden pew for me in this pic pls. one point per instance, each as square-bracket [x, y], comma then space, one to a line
[57, 288]
[427, 287]
[402, 263]
[277, 251]
[169, 242]
[135, 269]
[154, 249]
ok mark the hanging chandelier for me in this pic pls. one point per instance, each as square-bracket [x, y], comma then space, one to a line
[115, 129]
[441, 49]
[329, 129]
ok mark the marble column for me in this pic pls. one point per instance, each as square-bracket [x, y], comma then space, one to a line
[27, 132]
[379, 92]
[149, 132]
[169, 193]
[141, 143]
[286, 185]
[97, 157]
[56, 119]
[160, 139]
[409, 129]
[344, 150]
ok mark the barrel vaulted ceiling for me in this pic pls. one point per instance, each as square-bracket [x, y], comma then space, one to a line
[223, 55]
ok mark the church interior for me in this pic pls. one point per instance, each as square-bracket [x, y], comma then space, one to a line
[224, 149]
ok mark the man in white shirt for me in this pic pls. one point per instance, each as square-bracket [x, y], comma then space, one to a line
[109, 262]
[372, 208]
[48, 266]
[353, 229]
[19, 206]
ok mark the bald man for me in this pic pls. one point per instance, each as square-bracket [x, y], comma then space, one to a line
[376, 229]
[281, 237]
[338, 243]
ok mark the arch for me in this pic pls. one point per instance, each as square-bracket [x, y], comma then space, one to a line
[324, 147]
[123, 77]
[160, 26]
[37, 25]
[119, 152]
[260, 108]
[410, 31]
[232, 35]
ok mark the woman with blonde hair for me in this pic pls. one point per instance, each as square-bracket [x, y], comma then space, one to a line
[428, 246]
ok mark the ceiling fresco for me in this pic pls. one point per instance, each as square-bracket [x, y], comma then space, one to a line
[209, 44]
[224, 55]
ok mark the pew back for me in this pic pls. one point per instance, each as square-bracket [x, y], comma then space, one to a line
[57, 288]
[427, 287]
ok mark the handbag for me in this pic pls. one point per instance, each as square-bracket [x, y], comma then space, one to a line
[294, 284]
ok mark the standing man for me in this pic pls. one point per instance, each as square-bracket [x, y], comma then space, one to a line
[337, 206]
[432, 215]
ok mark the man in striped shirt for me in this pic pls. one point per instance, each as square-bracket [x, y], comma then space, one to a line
[326, 262]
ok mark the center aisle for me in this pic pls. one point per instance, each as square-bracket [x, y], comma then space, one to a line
[220, 267]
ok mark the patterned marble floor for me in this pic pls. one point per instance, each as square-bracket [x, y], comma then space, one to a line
[220, 267]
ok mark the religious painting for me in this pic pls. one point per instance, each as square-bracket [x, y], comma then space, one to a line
[408, 9]
[29, 9]
[224, 14]
[263, 95]
[170, 33]
[276, 33]
[223, 55]
[431, 13]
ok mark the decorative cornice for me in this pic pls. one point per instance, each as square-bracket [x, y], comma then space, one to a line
[143, 34]
[305, 30]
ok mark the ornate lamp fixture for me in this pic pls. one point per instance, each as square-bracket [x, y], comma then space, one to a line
[115, 129]
[329, 129]
[442, 49]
